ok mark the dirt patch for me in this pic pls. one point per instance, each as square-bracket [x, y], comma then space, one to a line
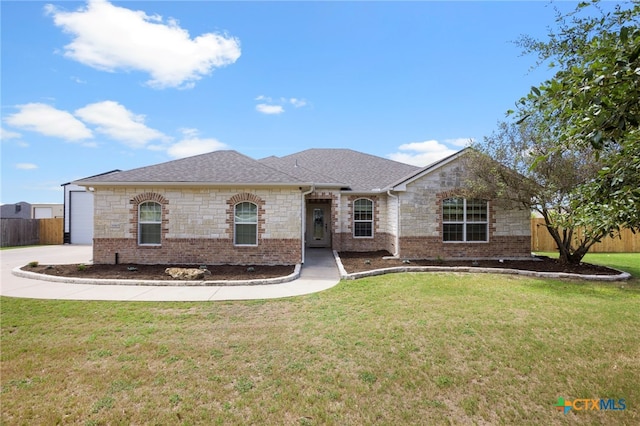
[156, 272]
[361, 262]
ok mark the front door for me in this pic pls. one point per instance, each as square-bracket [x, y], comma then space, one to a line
[318, 231]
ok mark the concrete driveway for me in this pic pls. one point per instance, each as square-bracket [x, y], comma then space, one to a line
[319, 272]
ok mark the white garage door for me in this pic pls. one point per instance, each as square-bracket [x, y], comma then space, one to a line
[81, 217]
[42, 212]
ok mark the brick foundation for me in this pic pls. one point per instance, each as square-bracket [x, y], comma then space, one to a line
[192, 251]
[347, 242]
[434, 247]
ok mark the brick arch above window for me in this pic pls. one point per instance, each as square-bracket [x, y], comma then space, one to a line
[246, 196]
[149, 196]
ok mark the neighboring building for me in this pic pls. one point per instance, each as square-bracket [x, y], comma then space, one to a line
[21, 210]
[226, 208]
[46, 211]
[78, 213]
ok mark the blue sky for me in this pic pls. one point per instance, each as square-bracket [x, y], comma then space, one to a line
[89, 87]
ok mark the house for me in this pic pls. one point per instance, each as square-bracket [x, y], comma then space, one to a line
[226, 208]
[24, 210]
[78, 212]
[21, 210]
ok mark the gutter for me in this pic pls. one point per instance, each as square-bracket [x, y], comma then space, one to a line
[303, 219]
[397, 242]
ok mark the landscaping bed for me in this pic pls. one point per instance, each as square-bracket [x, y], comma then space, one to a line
[367, 261]
[157, 272]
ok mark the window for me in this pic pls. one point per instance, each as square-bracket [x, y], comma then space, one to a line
[464, 220]
[149, 223]
[363, 218]
[246, 224]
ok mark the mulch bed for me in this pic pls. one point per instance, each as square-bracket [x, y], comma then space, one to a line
[361, 262]
[156, 272]
[352, 261]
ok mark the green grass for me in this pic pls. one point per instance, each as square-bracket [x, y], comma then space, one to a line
[396, 349]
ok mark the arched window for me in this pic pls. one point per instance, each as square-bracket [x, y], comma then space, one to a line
[245, 224]
[149, 222]
[363, 218]
[464, 220]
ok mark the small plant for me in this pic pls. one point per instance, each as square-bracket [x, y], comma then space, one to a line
[368, 377]
[81, 267]
[33, 264]
[244, 385]
[406, 261]
[175, 399]
[439, 259]
[367, 262]
[131, 268]
[203, 267]
[443, 381]
[251, 269]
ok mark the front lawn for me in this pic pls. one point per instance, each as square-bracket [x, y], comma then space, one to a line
[397, 349]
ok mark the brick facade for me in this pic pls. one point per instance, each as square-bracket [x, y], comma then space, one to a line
[197, 226]
[435, 248]
[197, 251]
[421, 234]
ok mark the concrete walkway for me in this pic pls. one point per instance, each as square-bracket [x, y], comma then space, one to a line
[319, 272]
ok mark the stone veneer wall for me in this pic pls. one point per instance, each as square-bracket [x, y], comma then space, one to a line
[197, 226]
[421, 222]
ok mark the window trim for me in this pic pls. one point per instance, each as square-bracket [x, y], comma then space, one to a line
[465, 221]
[371, 221]
[141, 222]
[236, 223]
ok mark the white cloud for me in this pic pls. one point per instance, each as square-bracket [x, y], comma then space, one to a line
[191, 144]
[112, 38]
[422, 153]
[117, 122]
[298, 103]
[271, 106]
[269, 109]
[7, 134]
[26, 166]
[461, 142]
[49, 121]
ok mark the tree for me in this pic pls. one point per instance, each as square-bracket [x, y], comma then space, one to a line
[576, 143]
[519, 164]
[593, 101]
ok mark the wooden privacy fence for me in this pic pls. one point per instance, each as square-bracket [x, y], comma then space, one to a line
[541, 240]
[26, 232]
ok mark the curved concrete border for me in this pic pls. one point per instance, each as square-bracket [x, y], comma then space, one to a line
[164, 283]
[622, 276]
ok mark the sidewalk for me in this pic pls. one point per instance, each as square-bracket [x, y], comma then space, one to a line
[319, 272]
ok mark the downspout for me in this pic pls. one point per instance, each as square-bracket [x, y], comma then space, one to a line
[303, 219]
[397, 242]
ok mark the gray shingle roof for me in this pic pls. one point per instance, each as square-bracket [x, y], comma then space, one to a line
[342, 168]
[221, 167]
[359, 171]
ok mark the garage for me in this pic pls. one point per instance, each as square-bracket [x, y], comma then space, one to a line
[81, 217]
[78, 213]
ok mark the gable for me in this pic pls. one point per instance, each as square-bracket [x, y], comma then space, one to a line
[401, 185]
